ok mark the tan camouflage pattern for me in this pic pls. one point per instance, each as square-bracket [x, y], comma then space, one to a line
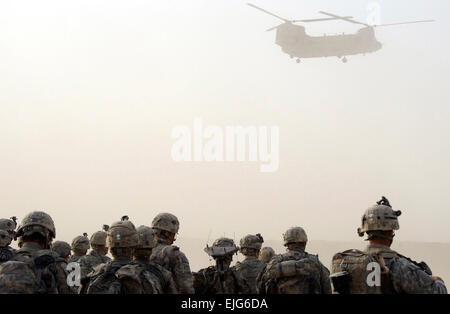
[90, 261]
[171, 258]
[249, 270]
[80, 244]
[398, 274]
[251, 241]
[54, 275]
[122, 234]
[379, 217]
[146, 237]
[294, 234]
[153, 278]
[61, 247]
[37, 218]
[166, 221]
[98, 238]
[103, 280]
[7, 224]
[5, 238]
[211, 281]
[266, 254]
[74, 258]
[294, 272]
[6, 254]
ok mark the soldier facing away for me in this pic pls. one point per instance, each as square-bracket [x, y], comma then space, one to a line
[97, 255]
[34, 268]
[169, 256]
[266, 254]
[294, 272]
[80, 246]
[220, 279]
[155, 279]
[114, 276]
[379, 269]
[7, 234]
[251, 266]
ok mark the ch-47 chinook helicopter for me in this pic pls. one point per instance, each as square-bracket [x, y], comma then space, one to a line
[294, 41]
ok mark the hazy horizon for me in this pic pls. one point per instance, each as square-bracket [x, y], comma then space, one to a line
[90, 92]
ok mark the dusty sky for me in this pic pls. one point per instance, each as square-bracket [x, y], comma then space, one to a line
[90, 91]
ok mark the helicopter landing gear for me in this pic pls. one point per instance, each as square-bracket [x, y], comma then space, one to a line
[344, 59]
[298, 60]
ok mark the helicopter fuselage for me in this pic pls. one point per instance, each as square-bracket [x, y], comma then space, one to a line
[294, 41]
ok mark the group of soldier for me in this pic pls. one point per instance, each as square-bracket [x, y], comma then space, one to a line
[145, 261]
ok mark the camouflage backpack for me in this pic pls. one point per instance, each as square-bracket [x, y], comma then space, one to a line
[293, 274]
[116, 278]
[32, 276]
[351, 270]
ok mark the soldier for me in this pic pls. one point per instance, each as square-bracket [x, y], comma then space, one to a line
[169, 256]
[266, 254]
[80, 246]
[379, 269]
[113, 276]
[97, 255]
[220, 279]
[7, 234]
[251, 266]
[294, 272]
[155, 278]
[34, 269]
[63, 249]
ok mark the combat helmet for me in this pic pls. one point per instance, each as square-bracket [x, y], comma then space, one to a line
[61, 247]
[5, 238]
[146, 238]
[266, 254]
[80, 243]
[294, 235]
[122, 234]
[251, 241]
[221, 247]
[379, 217]
[99, 237]
[167, 222]
[37, 222]
[7, 231]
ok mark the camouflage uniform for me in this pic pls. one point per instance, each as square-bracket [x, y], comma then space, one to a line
[109, 278]
[169, 256]
[155, 279]
[31, 261]
[294, 272]
[405, 275]
[7, 233]
[220, 279]
[96, 256]
[249, 269]
[80, 245]
[398, 274]
[266, 254]
[55, 279]
[89, 261]
[251, 266]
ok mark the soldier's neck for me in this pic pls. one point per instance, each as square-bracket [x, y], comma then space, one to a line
[380, 241]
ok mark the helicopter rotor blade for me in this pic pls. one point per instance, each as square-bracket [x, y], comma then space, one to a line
[401, 23]
[270, 13]
[321, 20]
[343, 18]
